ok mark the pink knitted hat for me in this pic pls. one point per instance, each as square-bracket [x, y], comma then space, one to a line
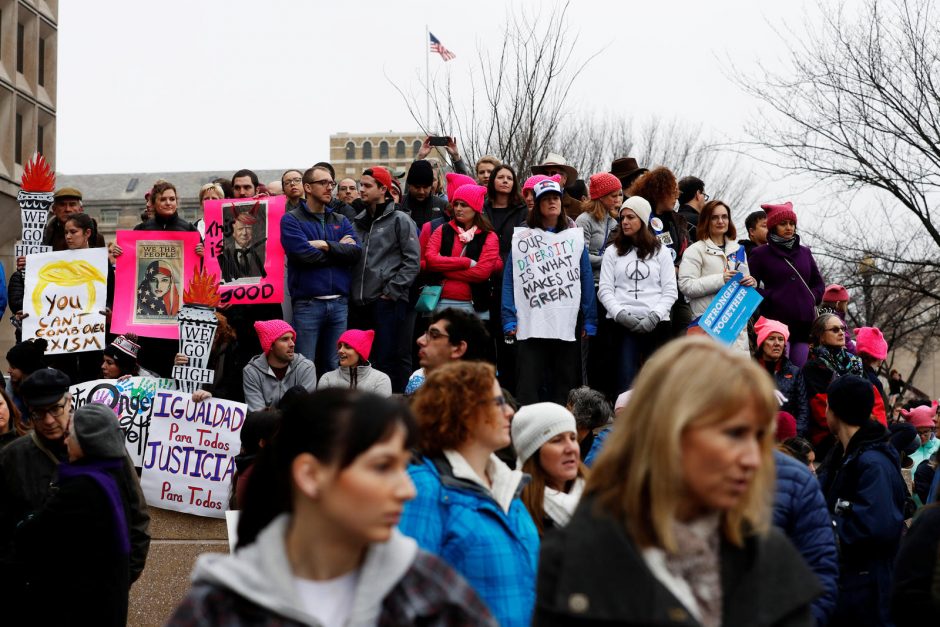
[602, 184]
[456, 181]
[360, 341]
[786, 426]
[472, 195]
[533, 180]
[765, 327]
[920, 417]
[834, 293]
[871, 341]
[778, 213]
[270, 330]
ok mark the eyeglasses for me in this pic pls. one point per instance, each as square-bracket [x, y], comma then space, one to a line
[705, 196]
[836, 329]
[499, 401]
[324, 183]
[293, 181]
[435, 334]
[55, 411]
[718, 218]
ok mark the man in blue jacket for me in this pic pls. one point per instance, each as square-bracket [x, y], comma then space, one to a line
[861, 478]
[321, 248]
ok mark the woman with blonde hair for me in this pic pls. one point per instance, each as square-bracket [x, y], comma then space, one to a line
[674, 524]
[466, 509]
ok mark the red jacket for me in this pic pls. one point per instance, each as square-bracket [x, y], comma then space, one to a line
[456, 269]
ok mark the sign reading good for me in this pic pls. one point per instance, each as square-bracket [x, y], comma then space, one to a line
[546, 274]
[65, 293]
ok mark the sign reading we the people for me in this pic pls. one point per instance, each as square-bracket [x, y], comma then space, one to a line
[547, 282]
[65, 294]
[150, 275]
[189, 458]
[243, 249]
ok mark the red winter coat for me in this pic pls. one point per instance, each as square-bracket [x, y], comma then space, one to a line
[458, 275]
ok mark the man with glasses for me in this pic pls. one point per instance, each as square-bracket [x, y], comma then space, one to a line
[292, 183]
[383, 276]
[692, 199]
[321, 248]
[453, 335]
[29, 469]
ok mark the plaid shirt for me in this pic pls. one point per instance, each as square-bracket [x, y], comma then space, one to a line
[496, 551]
[431, 593]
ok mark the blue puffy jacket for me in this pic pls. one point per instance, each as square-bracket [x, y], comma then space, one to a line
[495, 551]
[800, 512]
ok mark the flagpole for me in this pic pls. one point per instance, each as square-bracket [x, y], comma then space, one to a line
[427, 77]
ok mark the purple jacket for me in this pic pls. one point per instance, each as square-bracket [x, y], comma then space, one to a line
[786, 299]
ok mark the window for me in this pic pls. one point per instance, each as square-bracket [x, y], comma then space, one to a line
[415, 147]
[109, 216]
[366, 150]
[400, 149]
[18, 146]
[42, 61]
[40, 131]
[350, 151]
[131, 185]
[383, 150]
[20, 36]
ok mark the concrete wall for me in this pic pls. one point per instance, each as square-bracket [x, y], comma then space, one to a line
[177, 539]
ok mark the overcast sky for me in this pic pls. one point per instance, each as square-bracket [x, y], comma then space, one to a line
[211, 84]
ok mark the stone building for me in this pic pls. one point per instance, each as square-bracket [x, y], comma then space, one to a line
[351, 153]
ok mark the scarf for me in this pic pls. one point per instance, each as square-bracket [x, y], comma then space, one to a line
[839, 361]
[101, 472]
[698, 563]
[559, 506]
[465, 236]
[782, 242]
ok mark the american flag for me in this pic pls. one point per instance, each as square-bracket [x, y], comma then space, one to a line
[438, 47]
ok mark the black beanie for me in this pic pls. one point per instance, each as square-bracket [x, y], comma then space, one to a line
[421, 173]
[27, 356]
[851, 399]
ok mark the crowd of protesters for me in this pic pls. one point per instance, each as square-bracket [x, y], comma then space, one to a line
[423, 446]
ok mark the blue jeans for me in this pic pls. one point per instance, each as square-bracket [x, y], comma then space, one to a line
[319, 323]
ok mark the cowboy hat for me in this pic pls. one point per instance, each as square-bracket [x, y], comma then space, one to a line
[625, 167]
[556, 162]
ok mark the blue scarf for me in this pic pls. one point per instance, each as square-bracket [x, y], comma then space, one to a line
[101, 471]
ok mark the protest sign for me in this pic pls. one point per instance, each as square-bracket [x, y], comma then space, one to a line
[35, 198]
[243, 249]
[546, 281]
[150, 276]
[197, 331]
[728, 313]
[190, 455]
[65, 293]
[131, 399]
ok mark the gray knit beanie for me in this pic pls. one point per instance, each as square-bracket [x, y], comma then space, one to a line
[534, 425]
[98, 432]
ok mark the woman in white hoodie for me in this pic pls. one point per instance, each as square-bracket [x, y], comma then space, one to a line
[712, 261]
[317, 543]
[545, 437]
[638, 289]
[355, 372]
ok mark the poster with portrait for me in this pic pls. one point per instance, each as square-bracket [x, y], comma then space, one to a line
[151, 275]
[243, 249]
[65, 293]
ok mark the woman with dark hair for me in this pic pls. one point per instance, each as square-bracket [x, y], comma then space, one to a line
[789, 279]
[467, 510]
[545, 438]
[257, 432]
[317, 543]
[120, 360]
[828, 359]
[674, 525]
[548, 351]
[637, 288]
[800, 450]
[502, 189]
[712, 261]
[465, 253]
[11, 425]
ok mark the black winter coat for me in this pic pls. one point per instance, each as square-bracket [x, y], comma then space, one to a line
[915, 601]
[592, 573]
[866, 494]
[789, 382]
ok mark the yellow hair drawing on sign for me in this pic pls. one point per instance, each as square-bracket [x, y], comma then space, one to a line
[68, 274]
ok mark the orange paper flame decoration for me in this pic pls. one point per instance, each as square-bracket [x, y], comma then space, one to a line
[203, 289]
[38, 176]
